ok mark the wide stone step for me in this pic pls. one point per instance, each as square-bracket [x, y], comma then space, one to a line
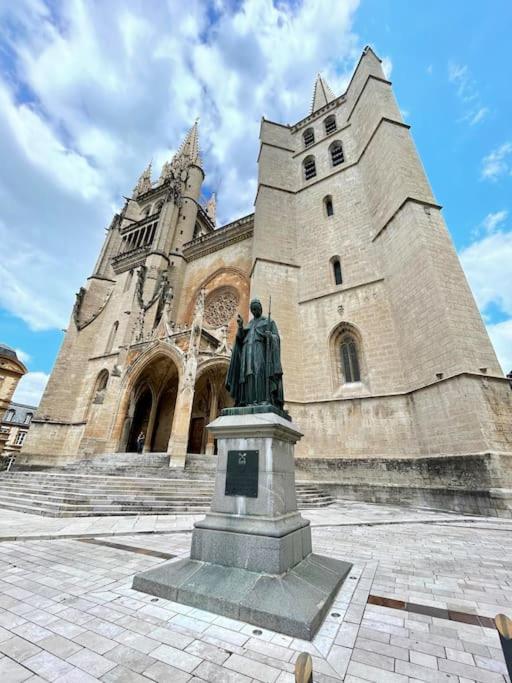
[111, 508]
[83, 494]
[20, 485]
[50, 512]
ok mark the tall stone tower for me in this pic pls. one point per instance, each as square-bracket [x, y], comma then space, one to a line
[389, 370]
[129, 303]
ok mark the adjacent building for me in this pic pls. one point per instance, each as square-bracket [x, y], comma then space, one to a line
[11, 371]
[15, 425]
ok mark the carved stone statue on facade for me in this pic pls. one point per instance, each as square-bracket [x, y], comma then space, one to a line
[223, 349]
[255, 375]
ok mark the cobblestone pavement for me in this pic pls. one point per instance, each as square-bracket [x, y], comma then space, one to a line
[67, 612]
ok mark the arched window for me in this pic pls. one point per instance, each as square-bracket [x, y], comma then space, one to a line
[330, 124]
[158, 206]
[336, 152]
[309, 167]
[329, 208]
[349, 359]
[9, 415]
[111, 337]
[28, 418]
[336, 270]
[146, 211]
[100, 387]
[308, 136]
[348, 363]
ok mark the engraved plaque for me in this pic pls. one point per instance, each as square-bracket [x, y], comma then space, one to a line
[242, 474]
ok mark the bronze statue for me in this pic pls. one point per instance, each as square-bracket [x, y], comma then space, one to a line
[255, 376]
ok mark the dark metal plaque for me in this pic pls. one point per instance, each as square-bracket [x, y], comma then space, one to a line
[242, 474]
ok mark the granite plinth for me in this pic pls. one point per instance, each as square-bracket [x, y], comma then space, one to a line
[251, 556]
[255, 409]
[294, 603]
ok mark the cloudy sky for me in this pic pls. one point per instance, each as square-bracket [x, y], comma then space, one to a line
[91, 90]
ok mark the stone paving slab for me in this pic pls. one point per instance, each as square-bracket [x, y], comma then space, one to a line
[18, 525]
[68, 612]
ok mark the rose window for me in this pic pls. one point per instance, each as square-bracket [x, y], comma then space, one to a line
[220, 306]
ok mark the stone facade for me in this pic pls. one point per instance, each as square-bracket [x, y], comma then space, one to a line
[15, 423]
[384, 352]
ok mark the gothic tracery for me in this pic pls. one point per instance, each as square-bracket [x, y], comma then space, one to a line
[220, 306]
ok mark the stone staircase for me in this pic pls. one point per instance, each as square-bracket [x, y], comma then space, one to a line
[75, 491]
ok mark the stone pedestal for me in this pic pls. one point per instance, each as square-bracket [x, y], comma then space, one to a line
[251, 556]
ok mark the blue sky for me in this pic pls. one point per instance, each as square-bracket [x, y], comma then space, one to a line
[90, 91]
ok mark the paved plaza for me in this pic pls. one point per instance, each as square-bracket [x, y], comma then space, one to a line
[415, 607]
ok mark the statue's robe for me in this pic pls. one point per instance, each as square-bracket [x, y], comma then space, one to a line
[247, 375]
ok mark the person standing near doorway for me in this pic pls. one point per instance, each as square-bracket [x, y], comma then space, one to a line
[140, 442]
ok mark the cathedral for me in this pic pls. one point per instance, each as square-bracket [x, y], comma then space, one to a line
[388, 368]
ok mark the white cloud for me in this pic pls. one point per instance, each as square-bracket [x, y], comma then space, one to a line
[494, 220]
[467, 92]
[97, 89]
[477, 116]
[501, 337]
[497, 162]
[30, 388]
[24, 357]
[487, 266]
[387, 66]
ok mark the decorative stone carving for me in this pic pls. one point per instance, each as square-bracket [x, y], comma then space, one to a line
[189, 378]
[77, 309]
[224, 348]
[144, 183]
[139, 287]
[220, 306]
[78, 305]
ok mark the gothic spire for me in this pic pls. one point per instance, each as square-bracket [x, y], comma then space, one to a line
[211, 208]
[322, 94]
[189, 149]
[144, 182]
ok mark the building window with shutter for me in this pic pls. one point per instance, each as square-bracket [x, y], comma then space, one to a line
[330, 124]
[336, 153]
[308, 137]
[309, 166]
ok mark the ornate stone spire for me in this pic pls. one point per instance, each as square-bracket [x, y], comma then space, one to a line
[211, 208]
[165, 172]
[187, 154]
[144, 182]
[322, 94]
[189, 149]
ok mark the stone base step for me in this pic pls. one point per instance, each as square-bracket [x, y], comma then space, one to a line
[71, 493]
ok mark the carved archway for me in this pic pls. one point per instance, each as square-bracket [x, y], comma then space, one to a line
[210, 397]
[159, 369]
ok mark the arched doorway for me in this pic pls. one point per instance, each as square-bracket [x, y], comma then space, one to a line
[140, 419]
[151, 408]
[210, 397]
